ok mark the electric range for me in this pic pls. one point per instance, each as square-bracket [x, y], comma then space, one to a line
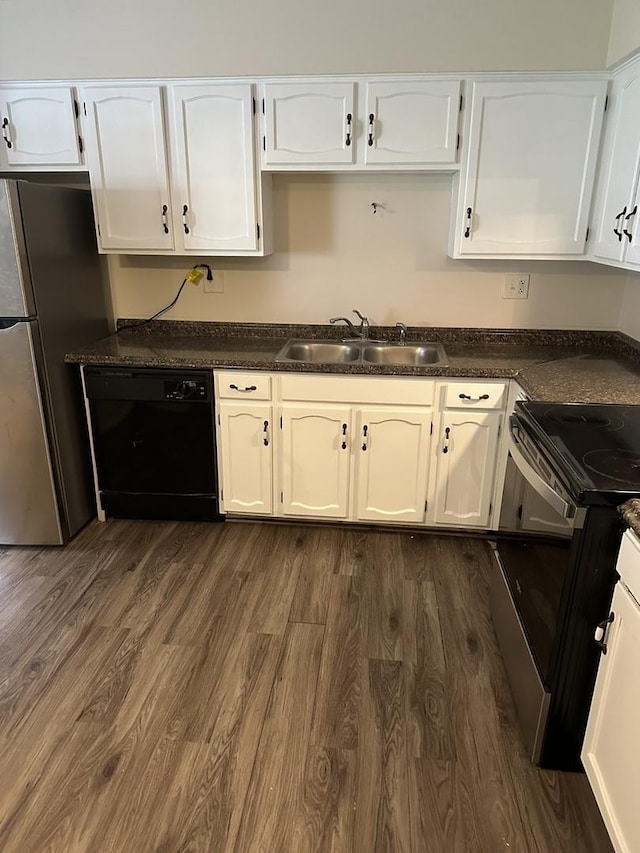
[595, 448]
[570, 466]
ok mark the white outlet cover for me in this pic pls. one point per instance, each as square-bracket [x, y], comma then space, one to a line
[516, 286]
[217, 285]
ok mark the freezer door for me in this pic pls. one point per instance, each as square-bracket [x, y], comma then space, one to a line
[28, 504]
[16, 297]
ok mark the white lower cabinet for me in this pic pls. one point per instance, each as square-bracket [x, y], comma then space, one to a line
[611, 750]
[315, 447]
[245, 442]
[393, 458]
[358, 448]
[466, 453]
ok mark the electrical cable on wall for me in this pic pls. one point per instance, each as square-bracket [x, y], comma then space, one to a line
[193, 276]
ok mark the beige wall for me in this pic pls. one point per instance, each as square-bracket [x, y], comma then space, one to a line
[333, 254]
[121, 38]
[625, 29]
[630, 311]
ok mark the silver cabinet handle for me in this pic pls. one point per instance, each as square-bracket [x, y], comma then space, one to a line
[246, 388]
[469, 222]
[473, 399]
[185, 223]
[344, 437]
[626, 230]
[372, 127]
[602, 631]
[265, 430]
[617, 229]
[165, 227]
[349, 123]
[365, 437]
[5, 132]
[447, 433]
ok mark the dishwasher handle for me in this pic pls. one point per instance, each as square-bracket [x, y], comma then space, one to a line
[529, 470]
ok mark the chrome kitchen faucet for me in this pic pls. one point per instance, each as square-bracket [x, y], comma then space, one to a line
[362, 332]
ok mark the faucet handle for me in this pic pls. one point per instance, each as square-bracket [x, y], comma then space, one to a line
[364, 319]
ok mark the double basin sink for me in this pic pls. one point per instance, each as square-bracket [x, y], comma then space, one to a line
[363, 352]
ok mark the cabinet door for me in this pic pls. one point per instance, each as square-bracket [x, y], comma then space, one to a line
[619, 169]
[393, 459]
[415, 123]
[214, 175]
[39, 126]
[315, 460]
[128, 167]
[466, 448]
[310, 123]
[631, 231]
[531, 159]
[611, 750]
[246, 456]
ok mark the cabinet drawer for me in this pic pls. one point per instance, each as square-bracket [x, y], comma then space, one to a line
[246, 386]
[475, 395]
[410, 391]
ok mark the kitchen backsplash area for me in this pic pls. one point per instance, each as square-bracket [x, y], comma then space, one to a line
[333, 251]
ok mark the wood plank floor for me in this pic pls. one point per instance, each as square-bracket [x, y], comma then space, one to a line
[250, 688]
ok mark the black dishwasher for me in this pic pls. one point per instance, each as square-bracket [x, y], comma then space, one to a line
[154, 442]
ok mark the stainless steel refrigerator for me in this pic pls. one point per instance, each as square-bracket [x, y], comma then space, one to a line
[52, 300]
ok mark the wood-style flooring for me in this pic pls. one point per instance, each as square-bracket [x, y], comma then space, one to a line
[256, 688]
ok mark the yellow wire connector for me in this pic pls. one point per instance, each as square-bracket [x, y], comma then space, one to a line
[194, 276]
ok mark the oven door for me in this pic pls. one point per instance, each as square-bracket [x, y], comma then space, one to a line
[533, 566]
[535, 549]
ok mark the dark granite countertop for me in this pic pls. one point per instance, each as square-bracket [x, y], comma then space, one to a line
[630, 511]
[561, 366]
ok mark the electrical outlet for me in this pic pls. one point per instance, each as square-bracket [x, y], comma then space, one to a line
[217, 285]
[516, 286]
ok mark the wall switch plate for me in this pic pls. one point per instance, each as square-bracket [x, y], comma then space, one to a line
[217, 285]
[516, 286]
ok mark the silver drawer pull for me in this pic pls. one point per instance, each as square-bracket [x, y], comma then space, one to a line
[248, 388]
[601, 632]
[475, 399]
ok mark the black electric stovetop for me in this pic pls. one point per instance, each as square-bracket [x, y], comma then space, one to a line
[596, 446]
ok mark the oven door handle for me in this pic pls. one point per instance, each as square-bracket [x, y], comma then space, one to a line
[530, 472]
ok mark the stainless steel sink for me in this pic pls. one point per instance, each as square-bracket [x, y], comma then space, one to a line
[371, 352]
[319, 352]
[412, 353]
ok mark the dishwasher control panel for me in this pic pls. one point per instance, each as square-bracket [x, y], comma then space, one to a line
[185, 389]
[139, 384]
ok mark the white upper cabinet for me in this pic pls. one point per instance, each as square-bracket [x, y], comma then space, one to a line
[376, 124]
[214, 184]
[39, 127]
[308, 123]
[209, 203]
[128, 167]
[411, 123]
[616, 236]
[527, 179]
